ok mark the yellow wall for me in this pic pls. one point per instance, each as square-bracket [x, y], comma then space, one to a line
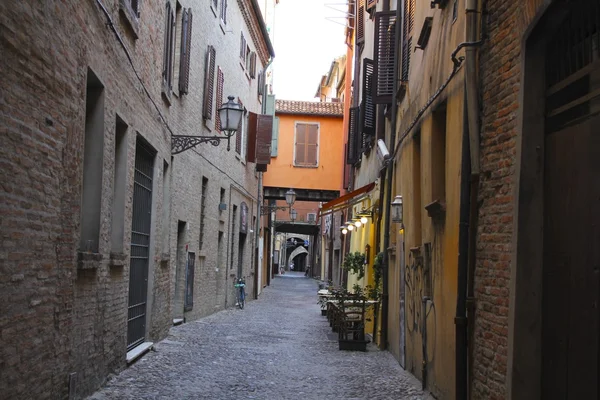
[328, 175]
[415, 179]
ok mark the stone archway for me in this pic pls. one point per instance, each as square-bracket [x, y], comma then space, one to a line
[297, 251]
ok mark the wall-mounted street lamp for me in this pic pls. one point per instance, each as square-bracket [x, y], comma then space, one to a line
[293, 214]
[230, 115]
[397, 210]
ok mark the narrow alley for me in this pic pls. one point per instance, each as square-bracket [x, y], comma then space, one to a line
[277, 347]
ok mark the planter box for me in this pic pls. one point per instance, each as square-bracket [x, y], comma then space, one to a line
[353, 345]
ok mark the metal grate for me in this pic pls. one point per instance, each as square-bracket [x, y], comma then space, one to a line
[140, 246]
[572, 62]
[575, 44]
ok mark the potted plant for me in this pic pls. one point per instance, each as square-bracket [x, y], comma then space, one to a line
[355, 263]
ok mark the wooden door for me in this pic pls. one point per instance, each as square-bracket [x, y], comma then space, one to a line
[571, 287]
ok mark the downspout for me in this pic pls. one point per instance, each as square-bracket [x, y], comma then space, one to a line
[473, 31]
[388, 190]
[465, 305]
[460, 320]
[259, 190]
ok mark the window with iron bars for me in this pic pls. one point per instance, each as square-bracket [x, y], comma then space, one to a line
[202, 211]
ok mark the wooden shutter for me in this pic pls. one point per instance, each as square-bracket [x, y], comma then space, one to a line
[360, 22]
[209, 83]
[239, 134]
[253, 65]
[385, 26]
[219, 100]
[371, 4]
[186, 40]
[407, 31]
[352, 155]
[261, 83]
[251, 152]
[168, 54]
[242, 47]
[224, 11]
[312, 145]
[300, 145]
[264, 131]
[368, 112]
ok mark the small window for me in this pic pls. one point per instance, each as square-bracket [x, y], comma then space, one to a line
[306, 151]
[311, 217]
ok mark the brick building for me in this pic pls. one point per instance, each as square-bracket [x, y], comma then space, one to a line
[95, 209]
[536, 285]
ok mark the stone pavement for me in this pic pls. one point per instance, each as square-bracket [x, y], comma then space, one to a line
[276, 348]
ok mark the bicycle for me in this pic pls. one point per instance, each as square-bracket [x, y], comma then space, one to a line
[240, 286]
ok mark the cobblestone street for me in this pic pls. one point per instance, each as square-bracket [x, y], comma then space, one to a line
[276, 348]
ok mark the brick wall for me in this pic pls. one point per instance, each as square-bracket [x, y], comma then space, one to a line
[500, 79]
[55, 318]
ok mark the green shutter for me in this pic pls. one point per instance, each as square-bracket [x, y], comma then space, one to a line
[275, 137]
[270, 108]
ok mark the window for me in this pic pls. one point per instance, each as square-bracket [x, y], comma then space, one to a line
[352, 149]
[209, 83]
[223, 12]
[93, 146]
[306, 151]
[167, 74]
[367, 111]
[385, 55]
[360, 22]
[220, 82]
[184, 52]
[119, 187]
[243, 47]
[247, 59]
[135, 7]
[252, 66]
[202, 211]
[239, 136]
[409, 20]
[311, 217]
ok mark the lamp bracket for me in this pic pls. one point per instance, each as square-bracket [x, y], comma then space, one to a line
[264, 210]
[181, 143]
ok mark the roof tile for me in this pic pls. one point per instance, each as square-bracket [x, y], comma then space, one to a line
[309, 108]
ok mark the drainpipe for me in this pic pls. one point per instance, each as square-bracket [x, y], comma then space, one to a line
[388, 189]
[473, 33]
[465, 304]
[460, 320]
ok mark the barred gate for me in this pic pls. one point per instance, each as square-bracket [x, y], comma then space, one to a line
[140, 246]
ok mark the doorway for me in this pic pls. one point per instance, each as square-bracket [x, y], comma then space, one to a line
[571, 258]
[140, 245]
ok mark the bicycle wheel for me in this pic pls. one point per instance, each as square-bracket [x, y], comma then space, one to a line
[241, 299]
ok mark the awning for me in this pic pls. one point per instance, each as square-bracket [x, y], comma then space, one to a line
[346, 200]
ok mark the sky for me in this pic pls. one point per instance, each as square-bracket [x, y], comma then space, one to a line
[306, 40]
